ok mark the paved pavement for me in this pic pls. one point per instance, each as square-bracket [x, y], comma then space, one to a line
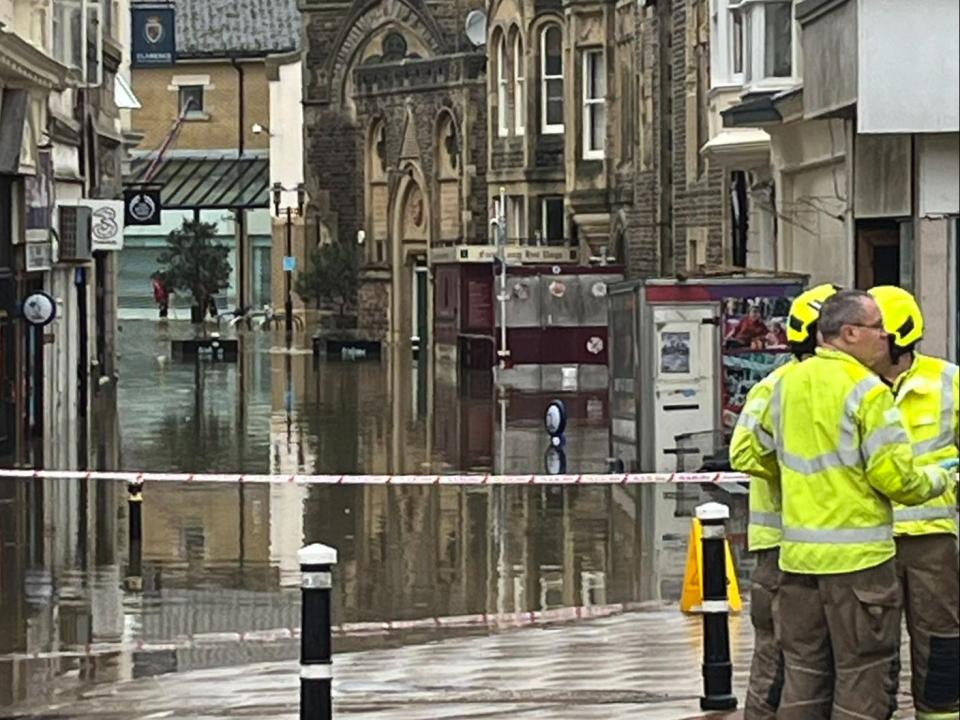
[637, 665]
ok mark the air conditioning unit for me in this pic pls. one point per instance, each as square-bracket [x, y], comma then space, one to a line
[73, 227]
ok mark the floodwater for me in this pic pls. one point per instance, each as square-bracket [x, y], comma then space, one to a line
[216, 581]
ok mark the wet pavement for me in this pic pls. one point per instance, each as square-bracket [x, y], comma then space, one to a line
[639, 664]
[434, 586]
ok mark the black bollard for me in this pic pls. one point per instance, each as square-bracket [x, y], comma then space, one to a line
[717, 668]
[316, 663]
[134, 579]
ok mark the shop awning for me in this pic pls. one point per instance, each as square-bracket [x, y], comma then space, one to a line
[209, 181]
[739, 148]
[123, 94]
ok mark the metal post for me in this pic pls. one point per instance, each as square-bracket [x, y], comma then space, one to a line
[288, 303]
[316, 664]
[134, 579]
[717, 668]
[502, 252]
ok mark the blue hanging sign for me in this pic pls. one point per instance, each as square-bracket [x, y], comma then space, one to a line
[154, 36]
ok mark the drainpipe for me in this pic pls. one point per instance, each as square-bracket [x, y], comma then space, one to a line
[239, 215]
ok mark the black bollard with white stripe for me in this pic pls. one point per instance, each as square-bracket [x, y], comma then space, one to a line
[316, 663]
[717, 668]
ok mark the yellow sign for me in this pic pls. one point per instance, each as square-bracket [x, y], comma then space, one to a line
[692, 596]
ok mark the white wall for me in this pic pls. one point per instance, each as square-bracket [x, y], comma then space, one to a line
[909, 66]
[810, 170]
[286, 130]
[939, 174]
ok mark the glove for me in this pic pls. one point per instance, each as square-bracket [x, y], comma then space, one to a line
[951, 464]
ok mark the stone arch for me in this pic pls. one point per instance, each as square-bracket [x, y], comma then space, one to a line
[448, 164]
[411, 224]
[367, 21]
[376, 190]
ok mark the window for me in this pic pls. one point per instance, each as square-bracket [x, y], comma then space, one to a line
[594, 104]
[502, 88]
[192, 94]
[736, 42]
[551, 78]
[767, 45]
[551, 220]
[68, 32]
[519, 106]
[778, 39]
[516, 225]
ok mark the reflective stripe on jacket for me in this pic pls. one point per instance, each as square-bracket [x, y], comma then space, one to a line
[928, 398]
[843, 454]
[751, 452]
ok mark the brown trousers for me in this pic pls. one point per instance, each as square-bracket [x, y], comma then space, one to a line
[766, 669]
[841, 641]
[929, 570]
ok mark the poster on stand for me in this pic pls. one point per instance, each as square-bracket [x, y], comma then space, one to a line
[754, 344]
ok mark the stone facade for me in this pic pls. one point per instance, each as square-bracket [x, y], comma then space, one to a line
[589, 115]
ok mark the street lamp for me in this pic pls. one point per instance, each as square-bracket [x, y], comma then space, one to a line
[499, 225]
[288, 262]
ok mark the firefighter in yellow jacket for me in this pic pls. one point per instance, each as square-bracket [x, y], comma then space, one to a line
[842, 454]
[926, 391]
[748, 444]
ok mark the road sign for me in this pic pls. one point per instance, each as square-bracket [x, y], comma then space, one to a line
[289, 263]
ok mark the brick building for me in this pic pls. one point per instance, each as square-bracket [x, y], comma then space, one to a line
[216, 167]
[589, 115]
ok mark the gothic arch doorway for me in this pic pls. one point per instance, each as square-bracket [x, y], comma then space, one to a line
[412, 291]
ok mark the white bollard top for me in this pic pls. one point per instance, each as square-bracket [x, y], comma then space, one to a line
[713, 511]
[317, 554]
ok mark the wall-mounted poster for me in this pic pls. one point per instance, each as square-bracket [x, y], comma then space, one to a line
[675, 353]
[38, 193]
[754, 344]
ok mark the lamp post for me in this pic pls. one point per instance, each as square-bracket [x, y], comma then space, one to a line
[288, 261]
[499, 224]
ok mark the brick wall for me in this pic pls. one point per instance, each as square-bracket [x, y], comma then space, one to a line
[219, 128]
[698, 197]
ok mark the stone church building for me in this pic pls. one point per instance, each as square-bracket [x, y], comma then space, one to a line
[588, 114]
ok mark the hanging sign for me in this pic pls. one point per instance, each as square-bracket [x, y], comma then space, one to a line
[141, 206]
[153, 36]
[106, 224]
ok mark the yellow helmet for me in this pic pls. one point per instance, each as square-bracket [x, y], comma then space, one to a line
[804, 313]
[902, 318]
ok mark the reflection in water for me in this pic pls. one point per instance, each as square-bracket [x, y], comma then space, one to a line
[222, 558]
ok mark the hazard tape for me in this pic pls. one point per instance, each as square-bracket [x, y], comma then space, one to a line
[490, 621]
[477, 479]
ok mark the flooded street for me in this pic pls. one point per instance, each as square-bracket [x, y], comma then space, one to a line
[217, 582]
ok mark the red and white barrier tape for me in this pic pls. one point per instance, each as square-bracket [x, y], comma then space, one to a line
[583, 479]
[360, 629]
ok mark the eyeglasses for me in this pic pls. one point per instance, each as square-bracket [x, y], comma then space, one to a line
[875, 326]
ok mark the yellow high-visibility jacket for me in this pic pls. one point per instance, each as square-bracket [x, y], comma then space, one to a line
[928, 396]
[843, 455]
[751, 452]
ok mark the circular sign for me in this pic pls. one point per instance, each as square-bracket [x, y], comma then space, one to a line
[599, 289]
[555, 419]
[555, 461]
[595, 345]
[142, 207]
[557, 289]
[39, 309]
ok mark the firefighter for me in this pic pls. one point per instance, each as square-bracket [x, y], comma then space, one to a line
[763, 534]
[842, 455]
[926, 391]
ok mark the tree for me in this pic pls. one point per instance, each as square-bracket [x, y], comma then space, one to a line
[332, 276]
[193, 262]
